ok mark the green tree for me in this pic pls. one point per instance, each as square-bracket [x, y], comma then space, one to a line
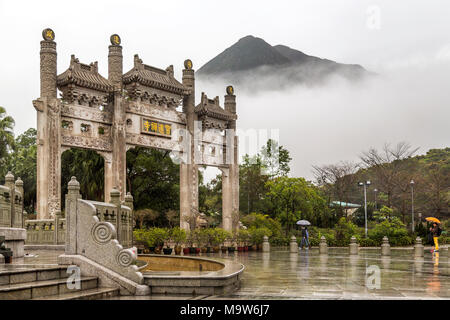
[6, 139]
[293, 199]
[252, 184]
[22, 162]
[275, 159]
[88, 167]
[154, 181]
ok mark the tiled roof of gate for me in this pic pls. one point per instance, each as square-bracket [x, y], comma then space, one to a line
[211, 108]
[84, 75]
[154, 77]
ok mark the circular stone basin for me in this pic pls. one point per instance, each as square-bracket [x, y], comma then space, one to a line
[178, 263]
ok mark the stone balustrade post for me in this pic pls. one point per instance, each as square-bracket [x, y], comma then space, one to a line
[130, 219]
[57, 218]
[19, 187]
[354, 246]
[418, 248]
[115, 200]
[266, 244]
[385, 247]
[323, 246]
[9, 183]
[72, 197]
[293, 245]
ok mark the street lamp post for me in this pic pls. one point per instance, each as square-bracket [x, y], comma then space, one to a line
[375, 191]
[412, 204]
[365, 184]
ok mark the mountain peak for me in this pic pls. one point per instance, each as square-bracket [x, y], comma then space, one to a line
[250, 53]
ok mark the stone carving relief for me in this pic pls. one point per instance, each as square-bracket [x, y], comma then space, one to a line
[87, 142]
[157, 112]
[103, 232]
[153, 142]
[72, 111]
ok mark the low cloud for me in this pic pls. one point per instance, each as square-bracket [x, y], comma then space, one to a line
[337, 119]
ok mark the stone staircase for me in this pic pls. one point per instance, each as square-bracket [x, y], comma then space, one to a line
[49, 283]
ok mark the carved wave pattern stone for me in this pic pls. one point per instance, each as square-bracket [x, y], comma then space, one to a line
[103, 232]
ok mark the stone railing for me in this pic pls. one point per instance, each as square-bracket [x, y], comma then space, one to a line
[46, 231]
[11, 203]
[53, 231]
[96, 240]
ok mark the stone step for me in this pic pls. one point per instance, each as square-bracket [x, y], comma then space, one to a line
[24, 275]
[90, 294]
[42, 288]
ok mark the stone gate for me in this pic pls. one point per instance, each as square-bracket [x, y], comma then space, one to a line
[145, 106]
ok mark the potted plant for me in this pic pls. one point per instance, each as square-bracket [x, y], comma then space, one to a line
[160, 236]
[178, 236]
[215, 240]
[232, 239]
[242, 237]
[209, 235]
[190, 241]
[150, 240]
[139, 240]
[257, 236]
[222, 236]
[168, 239]
[203, 239]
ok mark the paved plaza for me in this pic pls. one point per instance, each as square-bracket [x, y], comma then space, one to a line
[308, 275]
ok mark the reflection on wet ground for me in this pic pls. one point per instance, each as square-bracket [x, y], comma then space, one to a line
[308, 275]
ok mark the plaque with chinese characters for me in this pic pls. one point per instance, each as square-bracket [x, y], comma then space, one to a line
[157, 128]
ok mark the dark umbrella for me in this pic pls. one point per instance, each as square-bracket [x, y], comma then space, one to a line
[303, 223]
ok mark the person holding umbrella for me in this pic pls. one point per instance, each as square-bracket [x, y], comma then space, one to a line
[435, 232]
[305, 233]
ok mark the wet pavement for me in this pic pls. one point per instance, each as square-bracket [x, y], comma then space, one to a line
[308, 275]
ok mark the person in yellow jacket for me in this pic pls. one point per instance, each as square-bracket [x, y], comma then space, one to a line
[435, 232]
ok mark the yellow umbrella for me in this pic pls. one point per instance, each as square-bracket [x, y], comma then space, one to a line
[432, 219]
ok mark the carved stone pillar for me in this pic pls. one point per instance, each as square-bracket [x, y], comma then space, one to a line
[73, 194]
[115, 62]
[108, 172]
[9, 183]
[189, 169]
[227, 200]
[115, 200]
[48, 133]
[119, 153]
[19, 219]
[232, 158]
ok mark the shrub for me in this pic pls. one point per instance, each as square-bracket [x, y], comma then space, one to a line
[344, 231]
[394, 229]
[178, 235]
[219, 236]
[279, 240]
[258, 220]
[159, 236]
[203, 237]
[257, 234]
[243, 237]
[367, 242]
[139, 235]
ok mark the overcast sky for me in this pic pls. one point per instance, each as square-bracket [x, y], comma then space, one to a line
[406, 42]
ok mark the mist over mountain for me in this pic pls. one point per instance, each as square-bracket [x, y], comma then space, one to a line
[254, 63]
